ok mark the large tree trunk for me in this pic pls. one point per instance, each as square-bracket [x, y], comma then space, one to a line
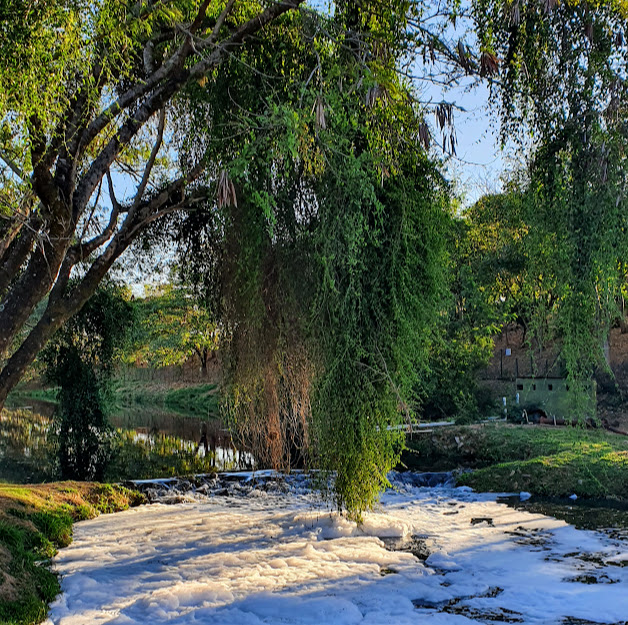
[61, 306]
[19, 362]
[32, 286]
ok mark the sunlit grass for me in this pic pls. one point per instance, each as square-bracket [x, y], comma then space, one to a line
[201, 400]
[543, 460]
[35, 521]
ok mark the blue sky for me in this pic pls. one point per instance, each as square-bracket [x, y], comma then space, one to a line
[479, 160]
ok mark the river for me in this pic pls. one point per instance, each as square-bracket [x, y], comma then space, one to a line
[150, 442]
[258, 548]
[253, 549]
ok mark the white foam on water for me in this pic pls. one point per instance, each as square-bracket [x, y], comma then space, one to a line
[273, 558]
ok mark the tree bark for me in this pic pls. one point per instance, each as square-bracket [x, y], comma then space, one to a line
[36, 281]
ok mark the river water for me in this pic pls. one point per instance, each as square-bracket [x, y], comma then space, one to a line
[150, 442]
[260, 548]
[253, 549]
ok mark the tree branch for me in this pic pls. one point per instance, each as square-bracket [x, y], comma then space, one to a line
[151, 160]
[112, 193]
[13, 166]
[247, 29]
[41, 179]
[216, 29]
[17, 251]
[81, 251]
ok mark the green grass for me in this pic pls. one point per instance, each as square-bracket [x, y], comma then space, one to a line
[199, 400]
[35, 522]
[547, 461]
[588, 470]
[41, 394]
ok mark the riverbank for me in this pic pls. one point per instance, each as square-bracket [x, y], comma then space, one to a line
[36, 521]
[543, 460]
[201, 400]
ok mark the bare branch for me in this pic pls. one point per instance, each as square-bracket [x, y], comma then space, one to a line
[112, 193]
[83, 250]
[13, 166]
[153, 155]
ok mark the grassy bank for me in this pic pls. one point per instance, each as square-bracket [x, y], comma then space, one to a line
[201, 400]
[35, 521]
[198, 400]
[40, 394]
[547, 461]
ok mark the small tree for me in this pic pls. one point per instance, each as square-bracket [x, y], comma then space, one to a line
[80, 361]
[173, 326]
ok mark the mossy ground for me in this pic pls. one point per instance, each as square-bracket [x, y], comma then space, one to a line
[542, 460]
[35, 521]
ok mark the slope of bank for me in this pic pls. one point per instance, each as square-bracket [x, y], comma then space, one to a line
[185, 398]
[200, 400]
[543, 460]
[36, 521]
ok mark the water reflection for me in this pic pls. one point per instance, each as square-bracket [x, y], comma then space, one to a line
[150, 442]
[24, 448]
[595, 514]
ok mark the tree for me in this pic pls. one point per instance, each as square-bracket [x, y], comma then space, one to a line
[91, 95]
[173, 327]
[310, 196]
[80, 360]
[91, 105]
[324, 255]
[564, 80]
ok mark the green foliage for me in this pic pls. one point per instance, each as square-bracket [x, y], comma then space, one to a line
[376, 306]
[488, 288]
[60, 39]
[482, 446]
[156, 456]
[545, 461]
[324, 254]
[79, 361]
[199, 400]
[563, 79]
[26, 547]
[56, 526]
[172, 326]
[587, 470]
[34, 523]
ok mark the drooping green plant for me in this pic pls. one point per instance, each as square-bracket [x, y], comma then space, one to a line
[323, 251]
[563, 68]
